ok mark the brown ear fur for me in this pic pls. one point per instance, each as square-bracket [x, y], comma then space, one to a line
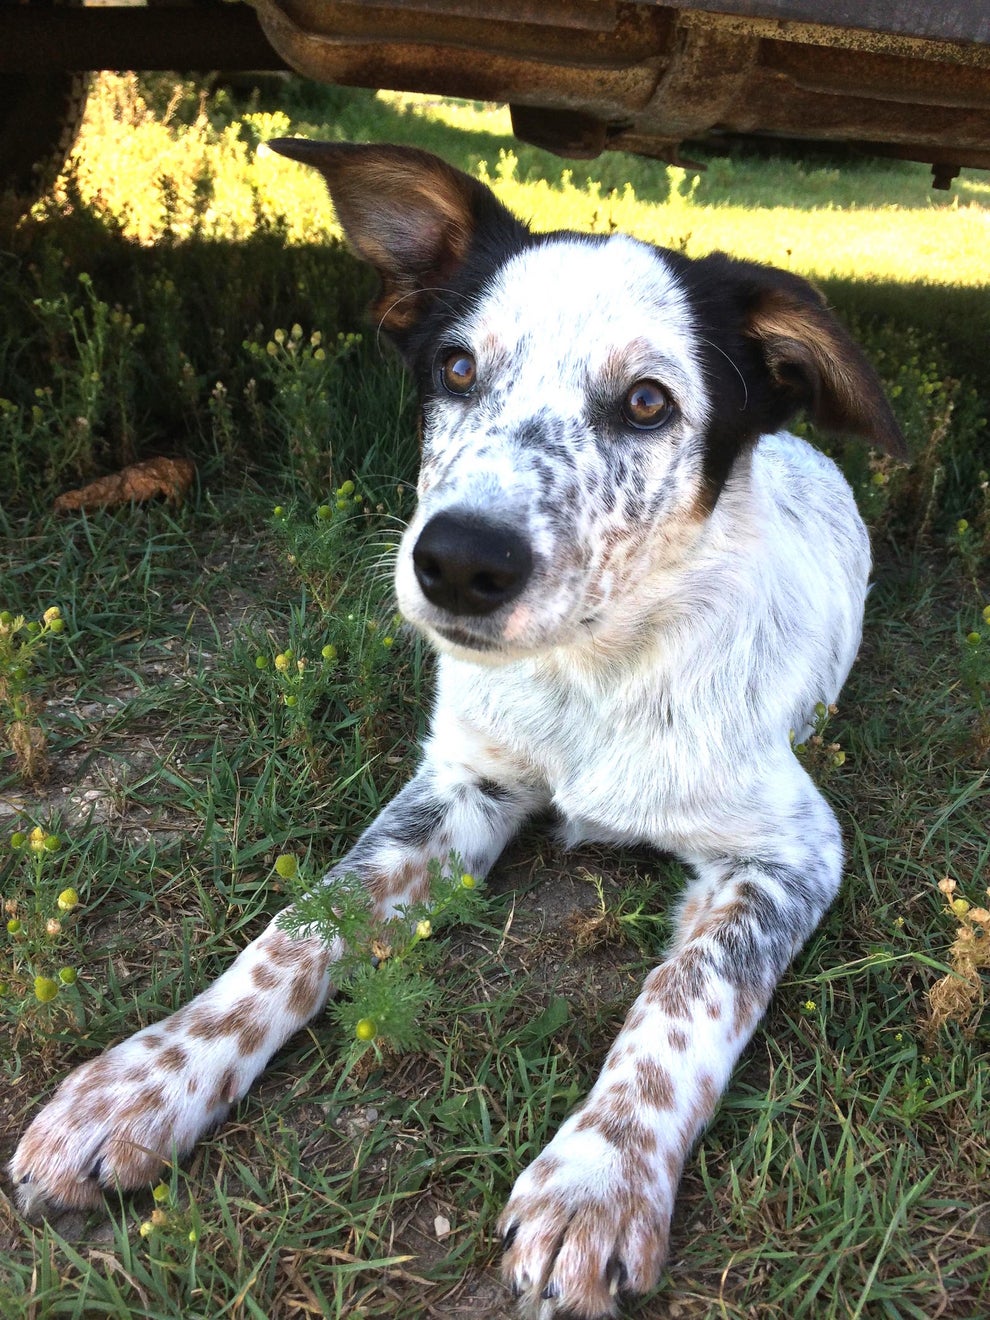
[808, 351]
[404, 211]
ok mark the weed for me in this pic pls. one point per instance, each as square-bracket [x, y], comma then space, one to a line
[34, 972]
[22, 643]
[820, 758]
[633, 914]
[383, 964]
[298, 370]
[959, 996]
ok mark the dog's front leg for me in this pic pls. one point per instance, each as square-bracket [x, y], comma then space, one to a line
[590, 1217]
[117, 1119]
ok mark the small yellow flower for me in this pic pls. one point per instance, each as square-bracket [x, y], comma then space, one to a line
[51, 614]
[286, 866]
[282, 662]
[810, 1005]
[45, 989]
[68, 899]
[36, 839]
[366, 1029]
[147, 1228]
[960, 907]
[161, 1194]
[424, 930]
[468, 881]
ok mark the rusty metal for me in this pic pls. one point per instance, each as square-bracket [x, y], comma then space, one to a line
[660, 76]
[909, 79]
[961, 20]
[595, 15]
[564, 132]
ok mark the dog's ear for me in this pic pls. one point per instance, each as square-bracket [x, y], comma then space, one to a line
[410, 215]
[814, 363]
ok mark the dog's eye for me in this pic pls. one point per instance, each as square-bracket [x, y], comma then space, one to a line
[459, 372]
[646, 405]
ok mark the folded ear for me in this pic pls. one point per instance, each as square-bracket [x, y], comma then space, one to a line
[410, 215]
[812, 359]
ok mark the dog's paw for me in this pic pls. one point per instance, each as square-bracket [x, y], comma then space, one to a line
[117, 1120]
[586, 1223]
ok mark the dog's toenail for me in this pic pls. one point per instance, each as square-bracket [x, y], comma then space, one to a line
[550, 1292]
[510, 1236]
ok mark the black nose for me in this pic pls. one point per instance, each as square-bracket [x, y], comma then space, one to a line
[466, 565]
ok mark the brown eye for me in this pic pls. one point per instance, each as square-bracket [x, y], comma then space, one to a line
[646, 405]
[459, 372]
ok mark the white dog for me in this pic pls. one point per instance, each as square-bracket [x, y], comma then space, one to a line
[640, 587]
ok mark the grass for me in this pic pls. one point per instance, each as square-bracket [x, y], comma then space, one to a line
[845, 1174]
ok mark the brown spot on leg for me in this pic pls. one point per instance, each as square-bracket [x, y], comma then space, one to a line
[205, 1023]
[172, 1059]
[306, 995]
[265, 977]
[251, 1038]
[656, 1085]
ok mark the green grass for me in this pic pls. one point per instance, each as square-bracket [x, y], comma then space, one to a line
[845, 1174]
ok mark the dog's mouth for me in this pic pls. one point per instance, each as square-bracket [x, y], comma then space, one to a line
[465, 639]
[468, 643]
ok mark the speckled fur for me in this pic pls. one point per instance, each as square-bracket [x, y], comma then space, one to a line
[694, 590]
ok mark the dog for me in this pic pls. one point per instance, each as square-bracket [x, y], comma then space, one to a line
[639, 586]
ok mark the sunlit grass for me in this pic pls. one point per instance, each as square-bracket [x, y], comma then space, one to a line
[158, 176]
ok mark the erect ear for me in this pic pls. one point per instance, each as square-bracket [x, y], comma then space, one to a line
[812, 358]
[410, 215]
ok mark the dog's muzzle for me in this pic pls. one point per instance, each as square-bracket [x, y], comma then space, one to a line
[468, 566]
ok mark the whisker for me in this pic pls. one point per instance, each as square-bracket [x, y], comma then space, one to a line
[723, 353]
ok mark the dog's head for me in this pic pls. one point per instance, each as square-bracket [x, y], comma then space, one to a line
[585, 399]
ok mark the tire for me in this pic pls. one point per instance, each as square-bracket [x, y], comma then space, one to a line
[39, 119]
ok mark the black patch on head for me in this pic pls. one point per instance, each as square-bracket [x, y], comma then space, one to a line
[746, 402]
[496, 238]
[770, 347]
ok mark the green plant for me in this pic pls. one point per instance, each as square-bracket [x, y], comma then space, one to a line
[22, 642]
[37, 984]
[384, 964]
[820, 758]
[298, 370]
